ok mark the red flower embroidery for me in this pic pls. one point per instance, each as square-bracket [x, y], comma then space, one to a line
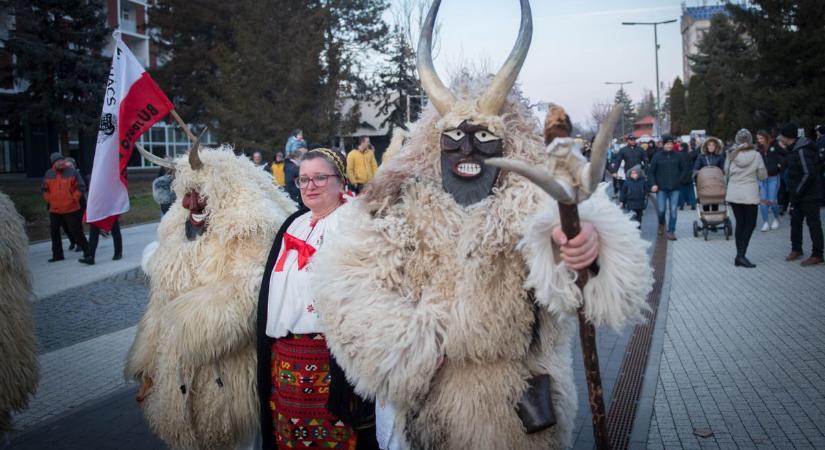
[311, 308]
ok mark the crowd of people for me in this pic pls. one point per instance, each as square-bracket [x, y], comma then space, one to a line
[773, 176]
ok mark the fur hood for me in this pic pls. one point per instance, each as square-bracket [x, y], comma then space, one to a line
[719, 146]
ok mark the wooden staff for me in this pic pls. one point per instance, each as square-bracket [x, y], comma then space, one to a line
[557, 125]
[183, 125]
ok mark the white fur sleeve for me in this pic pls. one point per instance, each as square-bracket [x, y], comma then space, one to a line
[388, 344]
[619, 292]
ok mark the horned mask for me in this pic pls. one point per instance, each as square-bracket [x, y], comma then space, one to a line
[472, 130]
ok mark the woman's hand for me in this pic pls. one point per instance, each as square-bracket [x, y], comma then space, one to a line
[579, 252]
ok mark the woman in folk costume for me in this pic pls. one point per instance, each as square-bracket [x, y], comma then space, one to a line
[452, 286]
[194, 352]
[305, 400]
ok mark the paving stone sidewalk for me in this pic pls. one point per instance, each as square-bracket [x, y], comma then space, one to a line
[743, 362]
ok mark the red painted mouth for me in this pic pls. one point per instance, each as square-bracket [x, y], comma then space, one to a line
[467, 168]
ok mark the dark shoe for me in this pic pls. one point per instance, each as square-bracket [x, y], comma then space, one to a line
[78, 249]
[741, 261]
[661, 230]
[56, 259]
[693, 208]
[793, 256]
[87, 260]
[117, 257]
[71, 246]
[812, 261]
[671, 237]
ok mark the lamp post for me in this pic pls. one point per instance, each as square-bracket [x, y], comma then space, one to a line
[656, 43]
[621, 88]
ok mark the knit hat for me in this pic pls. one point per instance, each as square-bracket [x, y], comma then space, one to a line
[667, 138]
[54, 157]
[637, 168]
[790, 131]
[744, 137]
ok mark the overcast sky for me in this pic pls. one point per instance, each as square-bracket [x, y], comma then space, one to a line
[577, 46]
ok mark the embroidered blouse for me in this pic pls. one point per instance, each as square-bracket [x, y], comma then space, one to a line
[291, 295]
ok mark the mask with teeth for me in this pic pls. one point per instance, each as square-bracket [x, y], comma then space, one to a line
[463, 152]
[196, 204]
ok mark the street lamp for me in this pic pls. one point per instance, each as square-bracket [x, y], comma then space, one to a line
[621, 88]
[656, 42]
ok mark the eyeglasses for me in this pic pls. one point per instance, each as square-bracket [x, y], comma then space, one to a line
[318, 180]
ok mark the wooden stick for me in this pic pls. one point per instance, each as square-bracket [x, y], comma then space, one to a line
[558, 125]
[182, 124]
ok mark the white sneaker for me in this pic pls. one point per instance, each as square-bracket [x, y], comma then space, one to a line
[775, 224]
[765, 227]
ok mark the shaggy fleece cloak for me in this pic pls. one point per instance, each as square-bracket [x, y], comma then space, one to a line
[18, 348]
[200, 321]
[425, 303]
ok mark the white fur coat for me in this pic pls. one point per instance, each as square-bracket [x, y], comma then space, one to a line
[426, 303]
[199, 324]
[18, 348]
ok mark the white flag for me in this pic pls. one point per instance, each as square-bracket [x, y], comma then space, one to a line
[132, 104]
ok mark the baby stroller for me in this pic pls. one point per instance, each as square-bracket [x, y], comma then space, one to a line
[710, 193]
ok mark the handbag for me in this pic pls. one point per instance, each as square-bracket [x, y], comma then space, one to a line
[535, 409]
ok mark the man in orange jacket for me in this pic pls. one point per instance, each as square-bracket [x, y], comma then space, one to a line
[62, 194]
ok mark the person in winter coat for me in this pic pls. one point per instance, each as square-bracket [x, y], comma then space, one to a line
[294, 142]
[666, 174]
[291, 174]
[710, 155]
[633, 196]
[277, 169]
[744, 169]
[62, 194]
[687, 194]
[631, 154]
[774, 158]
[361, 164]
[804, 190]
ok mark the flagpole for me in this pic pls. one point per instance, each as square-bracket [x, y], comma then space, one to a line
[183, 125]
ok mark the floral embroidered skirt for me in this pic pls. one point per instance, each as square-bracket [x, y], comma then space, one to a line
[300, 388]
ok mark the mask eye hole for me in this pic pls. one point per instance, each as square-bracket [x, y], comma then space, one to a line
[486, 136]
[454, 134]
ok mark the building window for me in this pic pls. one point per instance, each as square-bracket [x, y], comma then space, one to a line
[165, 139]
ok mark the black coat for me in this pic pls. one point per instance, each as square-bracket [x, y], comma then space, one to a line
[668, 171]
[632, 156]
[774, 159]
[709, 159]
[804, 178]
[634, 193]
[690, 159]
[290, 174]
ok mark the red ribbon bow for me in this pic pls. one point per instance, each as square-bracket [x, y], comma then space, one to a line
[305, 252]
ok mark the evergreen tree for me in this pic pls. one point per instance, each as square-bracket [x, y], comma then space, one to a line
[787, 72]
[57, 46]
[398, 80]
[721, 61]
[677, 108]
[647, 106]
[698, 114]
[628, 114]
[255, 69]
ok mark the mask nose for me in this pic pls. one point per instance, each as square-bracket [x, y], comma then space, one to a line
[467, 147]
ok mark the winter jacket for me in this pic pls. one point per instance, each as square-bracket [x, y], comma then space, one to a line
[634, 193]
[804, 180]
[668, 171]
[774, 158]
[277, 169]
[632, 156]
[744, 169]
[293, 144]
[361, 166]
[707, 158]
[61, 190]
[290, 174]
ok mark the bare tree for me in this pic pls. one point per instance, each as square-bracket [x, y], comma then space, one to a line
[409, 16]
[598, 114]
